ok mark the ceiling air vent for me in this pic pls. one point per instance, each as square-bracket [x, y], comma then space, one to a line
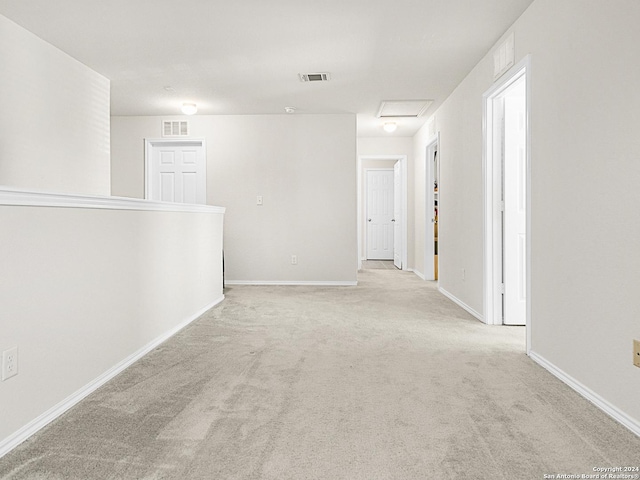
[403, 108]
[175, 128]
[314, 77]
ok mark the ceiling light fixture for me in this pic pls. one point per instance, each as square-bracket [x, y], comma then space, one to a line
[189, 108]
[290, 109]
[390, 126]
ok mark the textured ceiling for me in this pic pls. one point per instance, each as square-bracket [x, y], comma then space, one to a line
[244, 56]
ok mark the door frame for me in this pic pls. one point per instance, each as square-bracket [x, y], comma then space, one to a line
[365, 196]
[429, 226]
[361, 201]
[493, 244]
[149, 143]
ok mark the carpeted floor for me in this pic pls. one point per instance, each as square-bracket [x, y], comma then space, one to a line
[378, 264]
[386, 380]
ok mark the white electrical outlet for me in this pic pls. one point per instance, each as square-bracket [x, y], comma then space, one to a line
[9, 363]
[259, 200]
[294, 259]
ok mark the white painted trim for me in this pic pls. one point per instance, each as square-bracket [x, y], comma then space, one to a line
[419, 274]
[317, 283]
[359, 213]
[50, 415]
[528, 96]
[429, 227]
[405, 211]
[17, 197]
[405, 216]
[521, 68]
[461, 304]
[149, 143]
[611, 410]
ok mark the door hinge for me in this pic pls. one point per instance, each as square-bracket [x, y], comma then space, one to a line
[501, 288]
[502, 206]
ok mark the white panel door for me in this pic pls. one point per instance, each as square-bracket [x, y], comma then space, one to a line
[380, 214]
[397, 216]
[515, 206]
[176, 172]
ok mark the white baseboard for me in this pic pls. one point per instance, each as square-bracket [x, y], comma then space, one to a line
[420, 274]
[611, 410]
[50, 415]
[460, 303]
[292, 282]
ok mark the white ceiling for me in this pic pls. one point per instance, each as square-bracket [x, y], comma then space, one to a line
[244, 56]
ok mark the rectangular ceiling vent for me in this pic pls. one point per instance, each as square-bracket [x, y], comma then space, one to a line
[175, 128]
[314, 77]
[403, 108]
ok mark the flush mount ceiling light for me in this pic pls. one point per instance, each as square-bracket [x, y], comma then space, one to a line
[290, 109]
[189, 108]
[390, 126]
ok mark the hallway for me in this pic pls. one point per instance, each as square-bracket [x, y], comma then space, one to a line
[386, 380]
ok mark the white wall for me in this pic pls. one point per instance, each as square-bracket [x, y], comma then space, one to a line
[388, 146]
[83, 289]
[54, 123]
[584, 188]
[304, 166]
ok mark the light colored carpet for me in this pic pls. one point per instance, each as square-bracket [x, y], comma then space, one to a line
[387, 380]
[378, 264]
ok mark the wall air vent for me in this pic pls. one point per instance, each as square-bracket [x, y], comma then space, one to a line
[314, 77]
[175, 128]
[403, 108]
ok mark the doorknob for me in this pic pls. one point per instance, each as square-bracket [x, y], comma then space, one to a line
[369, 220]
[393, 219]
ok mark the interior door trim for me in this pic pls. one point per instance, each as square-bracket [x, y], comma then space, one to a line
[149, 143]
[360, 235]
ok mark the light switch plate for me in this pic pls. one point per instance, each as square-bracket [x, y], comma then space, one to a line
[636, 353]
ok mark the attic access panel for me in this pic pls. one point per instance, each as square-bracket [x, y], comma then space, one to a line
[403, 108]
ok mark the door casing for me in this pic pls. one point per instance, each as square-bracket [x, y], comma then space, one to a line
[150, 143]
[492, 225]
[397, 215]
[429, 220]
[361, 201]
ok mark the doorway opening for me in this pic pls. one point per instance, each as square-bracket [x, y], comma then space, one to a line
[432, 196]
[382, 211]
[507, 200]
